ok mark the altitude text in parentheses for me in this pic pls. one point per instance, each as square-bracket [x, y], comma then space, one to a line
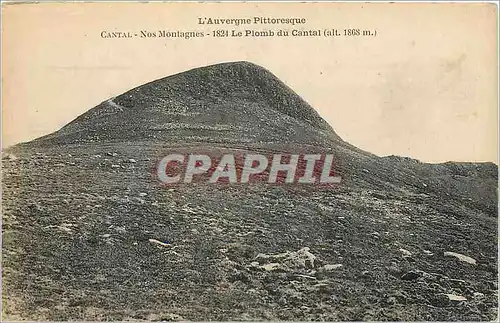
[331, 33]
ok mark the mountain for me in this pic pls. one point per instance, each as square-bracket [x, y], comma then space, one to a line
[89, 234]
[221, 102]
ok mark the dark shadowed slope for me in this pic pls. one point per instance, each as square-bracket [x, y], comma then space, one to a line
[81, 205]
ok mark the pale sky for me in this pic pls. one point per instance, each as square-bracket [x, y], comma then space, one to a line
[425, 86]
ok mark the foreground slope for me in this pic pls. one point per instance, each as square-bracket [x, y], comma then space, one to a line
[81, 205]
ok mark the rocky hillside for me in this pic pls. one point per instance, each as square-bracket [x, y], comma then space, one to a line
[88, 234]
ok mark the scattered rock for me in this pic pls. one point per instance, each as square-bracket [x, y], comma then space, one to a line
[142, 194]
[164, 317]
[120, 229]
[271, 266]
[64, 227]
[301, 258]
[458, 281]
[291, 260]
[366, 274]
[412, 275]
[133, 161]
[442, 300]
[115, 166]
[405, 253]
[157, 242]
[460, 257]
[327, 268]
[394, 269]
[456, 298]
[239, 275]
[323, 288]
[305, 276]
[478, 295]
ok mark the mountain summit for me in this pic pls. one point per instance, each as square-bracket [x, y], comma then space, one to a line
[229, 102]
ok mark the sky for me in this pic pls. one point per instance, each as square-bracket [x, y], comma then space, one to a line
[425, 86]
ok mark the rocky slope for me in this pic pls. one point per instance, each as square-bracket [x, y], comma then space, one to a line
[88, 234]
